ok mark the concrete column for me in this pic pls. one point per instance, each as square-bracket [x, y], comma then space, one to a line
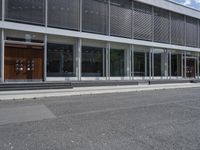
[2, 55]
[78, 58]
[45, 57]
[198, 65]
[108, 61]
[128, 62]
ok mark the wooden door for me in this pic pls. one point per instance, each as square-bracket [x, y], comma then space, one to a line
[23, 62]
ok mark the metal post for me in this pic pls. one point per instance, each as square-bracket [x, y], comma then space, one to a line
[150, 64]
[198, 65]
[145, 64]
[185, 61]
[133, 63]
[170, 65]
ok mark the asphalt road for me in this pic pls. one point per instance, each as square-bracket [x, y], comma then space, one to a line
[151, 120]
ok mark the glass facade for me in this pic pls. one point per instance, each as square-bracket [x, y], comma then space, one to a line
[176, 66]
[60, 60]
[63, 14]
[160, 63]
[28, 11]
[127, 19]
[141, 61]
[92, 61]
[117, 65]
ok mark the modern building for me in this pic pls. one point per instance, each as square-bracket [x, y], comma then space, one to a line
[61, 40]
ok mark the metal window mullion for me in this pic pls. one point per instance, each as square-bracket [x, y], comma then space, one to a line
[145, 64]
[170, 65]
[133, 59]
[198, 42]
[185, 74]
[198, 65]
[152, 63]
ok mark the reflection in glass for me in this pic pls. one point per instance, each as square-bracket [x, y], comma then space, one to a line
[117, 63]
[92, 61]
[160, 63]
[60, 60]
[176, 65]
[157, 64]
[139, 64]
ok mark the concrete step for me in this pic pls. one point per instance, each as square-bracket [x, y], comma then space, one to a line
[102, 83]
[35, 86]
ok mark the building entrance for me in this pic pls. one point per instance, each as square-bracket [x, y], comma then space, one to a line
[23, 63]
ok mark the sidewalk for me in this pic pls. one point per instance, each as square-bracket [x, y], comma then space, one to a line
[30, 94]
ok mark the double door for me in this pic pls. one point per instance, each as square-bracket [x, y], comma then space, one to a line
[23, 62]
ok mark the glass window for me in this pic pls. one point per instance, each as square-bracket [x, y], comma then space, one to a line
[63, 14]
[117, 63]
[13, 35]
[92, 61]
[160, 61]
[139, 64]
[60, 60]
[95, 16]
[29, 11]
[175, 64]
[141, 61]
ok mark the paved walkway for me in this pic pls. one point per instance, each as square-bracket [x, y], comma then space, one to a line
[30, 94]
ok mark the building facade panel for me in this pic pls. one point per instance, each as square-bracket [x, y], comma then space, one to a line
[64, 14]
[95, 16]
[143, 25]
[32, 12]
[191, 32]
[178, 29]
[121, 18]
[161, 26]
